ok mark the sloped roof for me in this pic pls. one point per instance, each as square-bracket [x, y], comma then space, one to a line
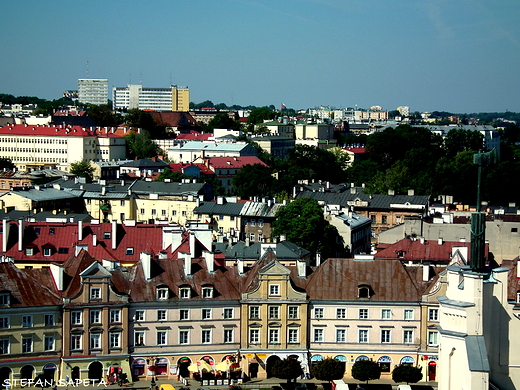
[284, 250]
[413, 250]
[27, 288]
[233, 162]
[41, 195]
[390, 280]
[145, 163]
[56, 130]
[227, 208]
[257, 209]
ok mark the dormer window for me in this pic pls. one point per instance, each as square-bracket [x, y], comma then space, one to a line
[207, 292]
[29, 251]
[106, 235]
[4, 299]
[364, 292]
[51, 231]
[130, 251]
[95, 293]
[184, 293]
[162, 293]
[46, 251]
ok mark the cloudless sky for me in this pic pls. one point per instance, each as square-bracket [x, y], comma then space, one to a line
[461, 56]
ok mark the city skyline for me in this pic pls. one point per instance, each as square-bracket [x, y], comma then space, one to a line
[460, 57]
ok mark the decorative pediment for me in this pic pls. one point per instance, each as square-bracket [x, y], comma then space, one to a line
[275, 268]
[95, 270]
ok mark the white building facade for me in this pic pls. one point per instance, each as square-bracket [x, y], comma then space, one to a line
[93, 91]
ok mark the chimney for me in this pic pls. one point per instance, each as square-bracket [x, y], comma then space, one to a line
[146, 263]
[411, 192]
[240, 266]
[20, 235]
[302, 268]
[422, 240]
[114, 234]
[5, 236]
[210, 261]
[391, 192]
[187, 263]
[80, 230]
[440, 241]
[425, 273]
[352, 190]
[220, 200]
[192, 244]
[94, 240]
[58, 274]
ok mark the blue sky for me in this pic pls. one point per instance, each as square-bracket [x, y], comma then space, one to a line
[449, 55]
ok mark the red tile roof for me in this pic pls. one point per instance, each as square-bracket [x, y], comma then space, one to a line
[233, 162]
[195, 136]
[413, 250]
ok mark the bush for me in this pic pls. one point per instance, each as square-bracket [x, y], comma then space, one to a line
[408, 374]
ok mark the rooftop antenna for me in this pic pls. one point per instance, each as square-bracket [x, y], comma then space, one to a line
[87, 70]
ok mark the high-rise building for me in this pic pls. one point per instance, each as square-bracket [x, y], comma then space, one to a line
[158, 99]
[93, 91]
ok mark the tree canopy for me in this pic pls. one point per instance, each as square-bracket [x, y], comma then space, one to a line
[406, 373]
[254, 180]
[366, 370]
[288, 368]
[139, 145]
[328, 370]
[84, 169]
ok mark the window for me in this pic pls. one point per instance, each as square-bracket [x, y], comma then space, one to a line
[161, 337]
[139, 315]
[293, 312]
[254, 312]
[274, 312]
[207, 292]
[408, 336]
[221, 217]
[95, 341]
[122, 203]
[433, 314]
[4, 299]
[274, 289]
[274, 336]
[4, 322]
[341, 313]
[106, 235]
[51, 231]
[48, 343]
[163, 213]
[318, 335]
[162, 293]
[318, 312]
[384, 219]
[228, 313]
[228, 335]
[115, 340]
[63, 251]
[254, 336]
[184, 337]
[408, 314]
[4, 346]
[184, 292]
[95, 293]
[49, 319]
[341, 335]
[183, 213]
[184, 314]
[260, 223]
[363, 335]
[292, 336]
[27, 344]
[75, 318]
[252, 222]
[385, 335]
[174, 212]
[115, 315]
[364, 292]
[206, 336]
[432, 339]
[161, 315]
[130, 251]
[141, 211]
[27, 321]
[46, 251]
[386, 314]
[206, 314]
[29, 251]
[139, 338]
[231, 217]
[154, 212]
[363, 314]
[95, 316]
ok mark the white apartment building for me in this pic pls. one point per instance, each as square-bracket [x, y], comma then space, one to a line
[34, 147]
[93, 91]
[156, 99]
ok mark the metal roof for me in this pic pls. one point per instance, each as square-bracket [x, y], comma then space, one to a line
[257, 209]
[219, 209]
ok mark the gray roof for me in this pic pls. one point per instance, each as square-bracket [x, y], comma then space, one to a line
[257, 209]
[164, 188]
[284, 250]
[45, 216]
[219, 209]
[354, 220]
[43, 194]
[477, 353]
[214, 146]
[375, 201]
[145, 163]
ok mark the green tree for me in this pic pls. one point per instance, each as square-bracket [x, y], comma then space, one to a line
[328, 370]
[366, 370]
[103, 115]
[254, 180]
[303, 224]
[461, 140]
[84, 169]
[139, 145]
[288, 368]
[221, 121]
[408, 374]
[258, 115]
[141, 120]
[174, 176]
[6, 163]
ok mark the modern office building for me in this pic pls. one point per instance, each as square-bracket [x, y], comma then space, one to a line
[93, 91]
[156, 99]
